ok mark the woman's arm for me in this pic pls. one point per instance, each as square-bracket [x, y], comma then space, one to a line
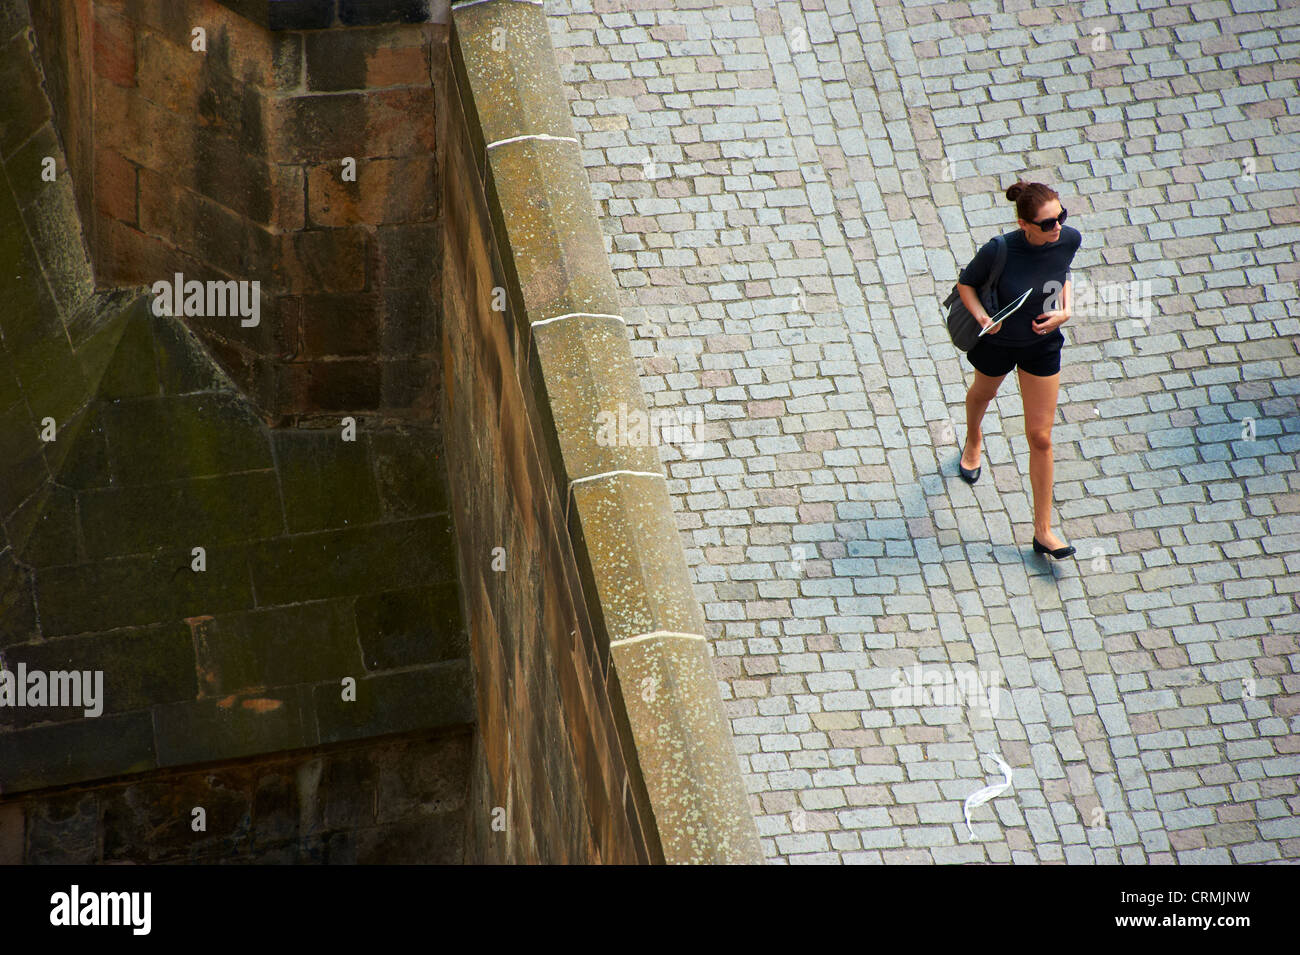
[1050, 321]
[971, 300]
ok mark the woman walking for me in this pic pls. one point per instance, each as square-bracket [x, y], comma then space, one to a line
[1038, 258]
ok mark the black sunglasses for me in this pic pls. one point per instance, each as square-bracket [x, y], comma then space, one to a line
[1047, 225]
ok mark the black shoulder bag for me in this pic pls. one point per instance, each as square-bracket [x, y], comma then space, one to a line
[962, 326]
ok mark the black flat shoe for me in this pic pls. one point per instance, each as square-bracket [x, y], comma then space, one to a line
[967, 475]
[1060, 552]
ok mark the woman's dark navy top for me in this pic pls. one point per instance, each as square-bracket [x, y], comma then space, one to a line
[1042, 268]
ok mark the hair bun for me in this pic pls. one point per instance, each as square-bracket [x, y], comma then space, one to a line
[1013, 193]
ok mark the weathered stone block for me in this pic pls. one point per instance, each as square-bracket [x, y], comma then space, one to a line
[168, 73]
[323, 260]
[411, 322]
[230, 175]
[684, 750]
[146, 134]
[53, 538]
[631, 559]
[386, 190]
[115, 186]
[276, 809]
[366, 59]
[410, 469]
[589, 389]
[135, 591]
[425, 698]
[31, 314]
[75, 752]
[183, 366]
[553, 249]
[132, 372]
[204, 511]
[327, 482]
[21, 452]
[52, 379]
[423, 778]
[409, 385]
[151, 821]
[325, 127]
[13, 833]
[141, 667]
[86, 464]
[17, 602]
[183, 436]
[502, 57]
[364, 12]
[317, 387]
[437, 840]
[63, 830]
[358, 560]
[303, 643]
[345, 324]
[233, 726]
[408, 627]
[406, 254]
[52, 221]
[23, 105]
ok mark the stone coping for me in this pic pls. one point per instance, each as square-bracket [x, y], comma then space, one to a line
[634, 573]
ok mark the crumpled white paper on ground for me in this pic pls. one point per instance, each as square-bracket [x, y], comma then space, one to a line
[980, 796]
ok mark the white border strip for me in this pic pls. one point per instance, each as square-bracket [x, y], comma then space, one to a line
[515, 139]
[657, 633]
[603, 474]
[568, 495]
[558, 318]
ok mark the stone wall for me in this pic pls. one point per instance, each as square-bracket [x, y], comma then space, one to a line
[396, 801]
[229, 163]
[327, 556]
[602, 732]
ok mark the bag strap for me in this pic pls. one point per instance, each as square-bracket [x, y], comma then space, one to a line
[999, 261]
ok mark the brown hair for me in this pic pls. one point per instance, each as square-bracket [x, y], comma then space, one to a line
[1029, 197]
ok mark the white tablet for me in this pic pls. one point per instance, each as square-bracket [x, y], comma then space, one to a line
[1002, 316]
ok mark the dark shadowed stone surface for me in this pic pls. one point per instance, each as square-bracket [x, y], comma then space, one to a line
[407, 627]
[63, 753]
[141, 667]
[424, 698]
[234, 726]
[306, 642]
[327, 482]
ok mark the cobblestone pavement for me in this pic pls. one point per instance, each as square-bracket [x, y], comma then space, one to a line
[789, 189]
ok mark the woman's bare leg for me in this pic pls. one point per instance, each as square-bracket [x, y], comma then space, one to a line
[1039, 395]
[981, 392]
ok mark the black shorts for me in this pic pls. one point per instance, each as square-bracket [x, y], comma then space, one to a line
[1040, 358]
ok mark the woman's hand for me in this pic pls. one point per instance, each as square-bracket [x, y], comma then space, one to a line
[1050, 321]
[984, 321]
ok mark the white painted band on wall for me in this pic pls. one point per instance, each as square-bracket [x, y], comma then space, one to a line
[657, 633]
[558, 318]
[515, 139]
